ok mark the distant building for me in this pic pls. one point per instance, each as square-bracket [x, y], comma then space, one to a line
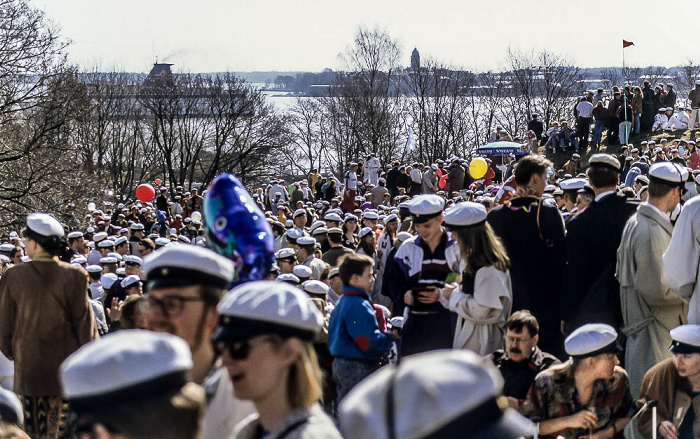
[160, 75]
[415, 60]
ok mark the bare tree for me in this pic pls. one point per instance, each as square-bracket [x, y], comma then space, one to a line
[246, 134]
[437, 109]
[612, 76]
[308, 148]
[37, 94]
[546, 84]
[686, 76]
[368, 96]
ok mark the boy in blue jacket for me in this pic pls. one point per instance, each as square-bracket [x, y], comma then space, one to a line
[354, 338]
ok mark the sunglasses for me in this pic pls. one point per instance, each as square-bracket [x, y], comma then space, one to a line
[238, 349]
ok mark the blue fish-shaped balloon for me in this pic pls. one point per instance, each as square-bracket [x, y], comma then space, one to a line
[237, 228]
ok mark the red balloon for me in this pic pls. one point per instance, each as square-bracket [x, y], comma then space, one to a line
[145, 193]
[157, 180]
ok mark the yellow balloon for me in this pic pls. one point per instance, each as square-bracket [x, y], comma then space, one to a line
[478, 167]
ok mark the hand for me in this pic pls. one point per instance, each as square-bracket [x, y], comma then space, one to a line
[429, 295]
[583, 419]
[408, 298]
[667, 430]
[114, 312]
[512, 402]
[448, 290]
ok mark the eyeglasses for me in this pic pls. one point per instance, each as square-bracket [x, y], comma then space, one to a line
[238, 349]
[170, 306]
[515, 340]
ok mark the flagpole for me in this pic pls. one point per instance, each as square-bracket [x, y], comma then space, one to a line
[624, 98]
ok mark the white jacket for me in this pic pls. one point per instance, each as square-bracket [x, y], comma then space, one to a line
[481, 316]
[682, 258]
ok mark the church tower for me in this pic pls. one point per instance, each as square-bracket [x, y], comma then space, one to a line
[415, 60]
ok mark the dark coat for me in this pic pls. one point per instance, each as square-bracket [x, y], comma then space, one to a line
[162, 203]
[537, 127]
[391, 178]
[44, 317]
[591, 293]
[613, 105]
[537, 256]
[403, 180]
[518, 377]
[670, 100]
[457, 178]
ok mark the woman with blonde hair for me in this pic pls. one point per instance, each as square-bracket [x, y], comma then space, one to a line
[265, 339]
[483, 300]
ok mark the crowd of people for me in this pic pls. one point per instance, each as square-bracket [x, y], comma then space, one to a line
[622, 114]
[404, 301]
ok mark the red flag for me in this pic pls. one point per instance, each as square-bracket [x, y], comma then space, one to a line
[626, 43]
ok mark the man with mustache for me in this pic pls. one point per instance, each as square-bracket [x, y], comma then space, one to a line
[522, 360]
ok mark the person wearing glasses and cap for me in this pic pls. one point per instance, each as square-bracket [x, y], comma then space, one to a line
[265, 340]
[675, 386]
[588, 396]
[649, 307]
[44, 317]
[184, 284]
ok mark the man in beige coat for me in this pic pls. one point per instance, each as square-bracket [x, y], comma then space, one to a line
[44, 317]
[649, 308]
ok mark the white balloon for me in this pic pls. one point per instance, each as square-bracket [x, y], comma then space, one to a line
[91, 206]
[196, 216]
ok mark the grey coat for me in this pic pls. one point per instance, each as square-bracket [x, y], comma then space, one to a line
[649, 308]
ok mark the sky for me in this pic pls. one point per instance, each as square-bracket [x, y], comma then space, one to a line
[307, 35]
